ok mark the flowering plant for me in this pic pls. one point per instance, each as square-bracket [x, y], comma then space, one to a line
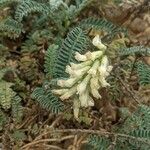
[85, 78]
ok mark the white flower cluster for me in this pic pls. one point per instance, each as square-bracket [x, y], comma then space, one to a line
[86, 78]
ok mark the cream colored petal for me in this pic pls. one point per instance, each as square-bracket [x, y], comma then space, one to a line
[109, 68]
[94, 68]
[94, 83]
[84, 99]
[67, 83]
[103, 82]
[69, 70]
[90, 102]
[97, 42]
[83, 85]
[94, 55]
[79, 73]
[95, 93]
[80, 57]
[69, 93]
[59, 91]
[80, 65]
[76, 108]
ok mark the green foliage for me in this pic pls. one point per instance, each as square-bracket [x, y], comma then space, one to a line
[42, 26]
[50, 58]
[37, 40]
[28, 6]
[4, 3]
[11, 28]
[76, 41]
[136, 131]
[142, 133]
[17, 109]
[47, 99]
[6, 94]
[18, 135]
[135, 51]
[143, 71]
[3, 119]
[9, 99]
[100, 24]
[98, 142]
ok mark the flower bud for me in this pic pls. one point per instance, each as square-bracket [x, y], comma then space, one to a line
[94, 68]
[109, 68]
[69, 93]
[69, 70]
[82, 86]
[94, 55]
[97, 42]
[76, 107]
[94, 83]
[103, 67]
[90, 101]
[59, 91]
[67, 83]
[95, 93]
[83, 97]
[81, 65]
[79, 73]
[80, 57]
[103, 82]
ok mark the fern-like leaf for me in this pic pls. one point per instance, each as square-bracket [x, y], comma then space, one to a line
[17, 111]
[50, 59]
[4, 3]
[6, 94]
[99, 143]
[143, 73]
[29, 6]
[99, 24]
[135, 50]
[11, 28]
[76, 41]
[141, 133]
[47, 100]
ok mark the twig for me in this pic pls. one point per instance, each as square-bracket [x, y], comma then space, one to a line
[99, 132]
[28, 120]
[53, 147]
[47, 140]
[51, 127]
[128, 90]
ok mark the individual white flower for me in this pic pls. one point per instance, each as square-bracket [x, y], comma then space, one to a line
[69, 70]
[80, 57]
[109, 68]
[76, 108]
[103, 67]
[97, 42]
[69, 93]
[95, 93]
[103, 82]
[79, 73]
[67, 83]
[59, 91]
[81, 65]
[90, 102]
[94, 82]
[94, 55]
[94, 68]
[83, 97]
[95, 85]
[83, 85]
